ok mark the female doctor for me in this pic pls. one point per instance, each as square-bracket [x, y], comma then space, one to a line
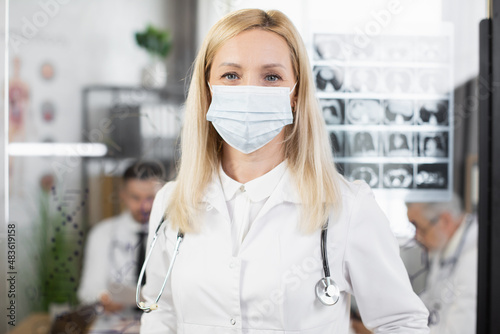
[255, 189]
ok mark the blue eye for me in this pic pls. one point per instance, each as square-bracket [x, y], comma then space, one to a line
[230, 76]
[272, 77]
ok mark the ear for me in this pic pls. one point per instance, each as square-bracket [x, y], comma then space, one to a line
[121, 192]
[448, 222]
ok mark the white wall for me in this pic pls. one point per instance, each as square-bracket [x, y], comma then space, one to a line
[89, 42]
[465, 15]
[342, 15]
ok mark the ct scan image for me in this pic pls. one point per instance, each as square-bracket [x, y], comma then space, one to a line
[398, 80]
[433, 81]
[399, 144]
[399, 112]
[433, 112]
[337, 142]
[328, 78]
[333, 111]
[363, 143]
[364, 80]
[433, 144]
[398, 176]
[366, 172]
[397, 48]
[432, 176]
[361, 111]
[329, 47]
[433, 49]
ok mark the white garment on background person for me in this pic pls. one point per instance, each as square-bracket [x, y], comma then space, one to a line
[451, 286]
[110, 259]
[267, 284]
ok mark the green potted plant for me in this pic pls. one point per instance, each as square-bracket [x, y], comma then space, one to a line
[158, 44]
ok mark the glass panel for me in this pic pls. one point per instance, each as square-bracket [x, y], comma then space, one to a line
[396, 82]
[88, 97]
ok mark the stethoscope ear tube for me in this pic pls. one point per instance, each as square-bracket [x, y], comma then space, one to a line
[154, 306]
[327, 291]
[324, 255]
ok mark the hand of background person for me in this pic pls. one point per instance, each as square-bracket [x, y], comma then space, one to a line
[109, 305]
[359, 328]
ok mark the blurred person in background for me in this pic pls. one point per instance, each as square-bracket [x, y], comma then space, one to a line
[450, 237]
[116, 246]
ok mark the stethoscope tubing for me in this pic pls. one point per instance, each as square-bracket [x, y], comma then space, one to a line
[326, 289]
[154, 306]
[324, 255]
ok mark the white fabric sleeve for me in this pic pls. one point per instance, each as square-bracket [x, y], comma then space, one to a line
[378, 278]
[460, 292]
[163, 320]
[95, 264]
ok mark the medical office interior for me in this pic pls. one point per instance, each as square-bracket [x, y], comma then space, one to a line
[89, 95]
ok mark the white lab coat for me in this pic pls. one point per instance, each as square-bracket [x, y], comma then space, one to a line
[451, 288]
[110, 260]
[269, 287]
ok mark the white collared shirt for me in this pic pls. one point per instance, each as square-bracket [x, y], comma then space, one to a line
[245, 201]
[110, 260]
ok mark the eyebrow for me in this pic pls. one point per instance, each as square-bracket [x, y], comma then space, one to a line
[230, 65]
[263, 66]
[273, 65]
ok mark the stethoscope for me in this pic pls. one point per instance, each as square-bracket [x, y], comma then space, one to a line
[326, 289]
[154, 306]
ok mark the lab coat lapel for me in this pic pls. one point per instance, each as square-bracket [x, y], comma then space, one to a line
[285, 192]
[214, 198]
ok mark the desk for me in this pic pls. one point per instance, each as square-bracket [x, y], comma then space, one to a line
[123, 323]
[126, 322]
[35, 323]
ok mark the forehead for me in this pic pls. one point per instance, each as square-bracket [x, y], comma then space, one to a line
[416, 213]
[138, 185]
[254, 46]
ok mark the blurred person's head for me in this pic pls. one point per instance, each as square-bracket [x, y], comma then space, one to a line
[141, 182]
[435, 222]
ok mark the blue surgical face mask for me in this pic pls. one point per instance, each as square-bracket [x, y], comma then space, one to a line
[249, 117]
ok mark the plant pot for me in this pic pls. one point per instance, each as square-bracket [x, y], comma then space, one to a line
[154, 75]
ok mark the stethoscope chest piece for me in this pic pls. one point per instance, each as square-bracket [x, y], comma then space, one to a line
[327, 291]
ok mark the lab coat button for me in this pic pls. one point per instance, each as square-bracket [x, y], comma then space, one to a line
[242, 188]
[232, 264]
[233, 322]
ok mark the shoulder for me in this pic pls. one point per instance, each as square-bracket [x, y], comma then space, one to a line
[468, 258]
[160, 202]
[471, 237]
[106, 224]
[354, 192]
[164, 194]
[360, 210]
[101, 231]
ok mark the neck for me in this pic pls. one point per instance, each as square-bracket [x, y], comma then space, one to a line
[246, 167]
[456, 225]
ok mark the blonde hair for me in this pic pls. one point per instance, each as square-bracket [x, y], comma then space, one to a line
[306, 146]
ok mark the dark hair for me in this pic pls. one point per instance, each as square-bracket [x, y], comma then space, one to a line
[144, 170]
